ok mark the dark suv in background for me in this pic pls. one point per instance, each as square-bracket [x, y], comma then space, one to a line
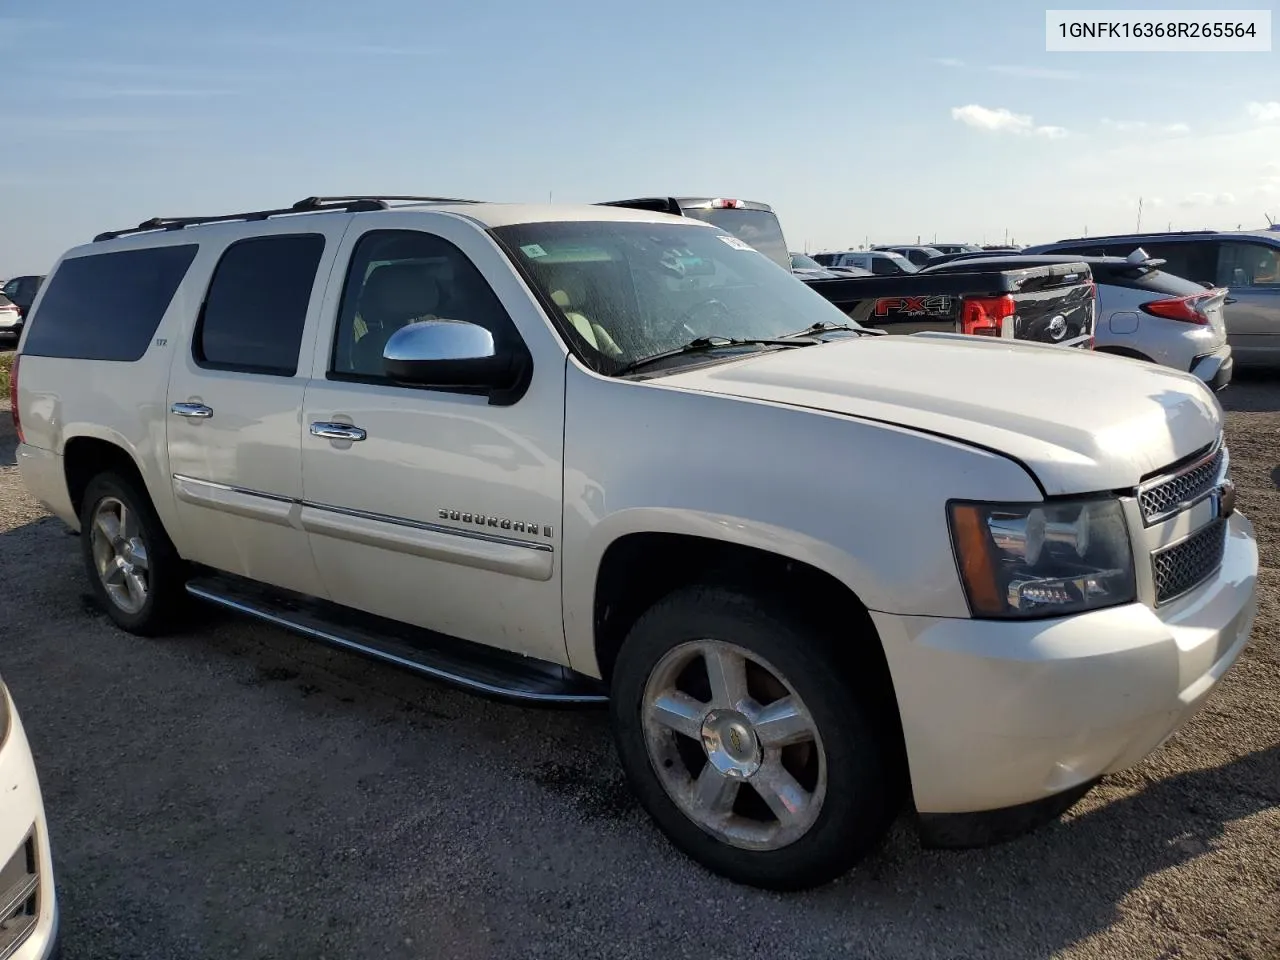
[22, 291]
[1245, 261]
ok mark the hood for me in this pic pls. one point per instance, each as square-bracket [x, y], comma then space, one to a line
[1081, 422]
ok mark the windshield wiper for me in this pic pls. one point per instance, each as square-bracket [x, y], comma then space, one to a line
[824, 327]
[702, 344]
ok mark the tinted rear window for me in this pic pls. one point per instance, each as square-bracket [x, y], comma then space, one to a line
[257, 305]
[1155, 281]
[106, 306]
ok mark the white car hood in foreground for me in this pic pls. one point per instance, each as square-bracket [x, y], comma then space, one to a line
[1081, 422]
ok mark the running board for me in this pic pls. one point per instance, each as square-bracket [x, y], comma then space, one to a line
[484, 670]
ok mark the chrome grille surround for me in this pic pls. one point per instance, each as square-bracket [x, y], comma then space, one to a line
[1166, 496]
[1181, 567]
[19, 897]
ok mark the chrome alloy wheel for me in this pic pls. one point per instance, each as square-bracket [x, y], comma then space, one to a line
[733, 745]
[120, 554]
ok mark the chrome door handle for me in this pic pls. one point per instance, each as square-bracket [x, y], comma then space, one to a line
[336, 431]
[197, 410]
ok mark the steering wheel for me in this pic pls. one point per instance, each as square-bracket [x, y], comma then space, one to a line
[685, 318]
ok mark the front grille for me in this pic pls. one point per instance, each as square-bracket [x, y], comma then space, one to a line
[1190, 562]
[1164, 497]
[19, 897]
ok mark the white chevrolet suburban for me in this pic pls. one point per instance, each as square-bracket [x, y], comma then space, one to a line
[577, 454]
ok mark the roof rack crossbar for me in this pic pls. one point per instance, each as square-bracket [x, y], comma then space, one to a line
[307, 205]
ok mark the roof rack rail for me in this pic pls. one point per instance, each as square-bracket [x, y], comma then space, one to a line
[306, 205]
[1149, 233]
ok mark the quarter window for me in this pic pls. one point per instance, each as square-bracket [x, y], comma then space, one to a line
[398, 277]
[256, 307]
[107, 306]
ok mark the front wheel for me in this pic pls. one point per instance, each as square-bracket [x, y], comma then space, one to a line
[744, 741]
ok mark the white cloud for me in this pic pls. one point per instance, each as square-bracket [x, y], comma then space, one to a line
[948, 62]
[985, 118]
[1268, 112]
[1142, 126]
[1002, 120]
[1201, 199]
[1034, 73]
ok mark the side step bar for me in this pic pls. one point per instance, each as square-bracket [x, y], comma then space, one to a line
[484, 670]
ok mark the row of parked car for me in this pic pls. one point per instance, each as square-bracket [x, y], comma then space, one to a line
[605, 454]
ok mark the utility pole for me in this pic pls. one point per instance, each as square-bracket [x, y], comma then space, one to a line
[1138, 228]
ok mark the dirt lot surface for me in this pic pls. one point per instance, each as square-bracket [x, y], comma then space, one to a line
[236, 792]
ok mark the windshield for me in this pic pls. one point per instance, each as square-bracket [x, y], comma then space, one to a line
[900, 261]
[632, 289]
[760, 228]
[801, 262]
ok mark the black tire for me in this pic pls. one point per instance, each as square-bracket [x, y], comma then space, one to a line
[166, 573]
[864, 785]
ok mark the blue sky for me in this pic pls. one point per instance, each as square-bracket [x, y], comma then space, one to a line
[854, 119]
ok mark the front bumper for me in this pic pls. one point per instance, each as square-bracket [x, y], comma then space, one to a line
[26, 866]
[1004, 714]
[1214, 368]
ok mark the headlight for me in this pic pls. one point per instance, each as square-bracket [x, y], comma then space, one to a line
[1042, 560]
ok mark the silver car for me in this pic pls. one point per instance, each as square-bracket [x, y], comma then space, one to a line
[1145, 313]
[1245, 261]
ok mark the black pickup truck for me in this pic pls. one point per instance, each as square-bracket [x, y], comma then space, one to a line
[1051, 303]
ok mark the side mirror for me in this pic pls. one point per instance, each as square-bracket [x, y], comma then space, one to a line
[452, 353]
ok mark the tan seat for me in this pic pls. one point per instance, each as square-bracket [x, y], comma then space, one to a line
[591, 331]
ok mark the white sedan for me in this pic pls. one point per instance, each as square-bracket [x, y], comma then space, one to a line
[28, 904]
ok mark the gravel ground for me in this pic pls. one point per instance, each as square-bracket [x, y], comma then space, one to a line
[236, 792]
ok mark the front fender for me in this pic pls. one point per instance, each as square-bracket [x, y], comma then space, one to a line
[865, 502]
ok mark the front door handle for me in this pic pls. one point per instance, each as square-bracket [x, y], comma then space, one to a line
[336, 431]
[197, 410]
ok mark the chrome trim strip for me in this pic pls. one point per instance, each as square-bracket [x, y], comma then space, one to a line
[529, 561]
[243, 502]
[418, 667]
[267, 507]
[1160, 481]
[430, 527]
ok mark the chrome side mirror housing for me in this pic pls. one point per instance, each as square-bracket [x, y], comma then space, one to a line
[451, 354]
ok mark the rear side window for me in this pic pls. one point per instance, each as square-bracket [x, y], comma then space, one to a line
[1153, 281]
[106, 306]
[257, 303]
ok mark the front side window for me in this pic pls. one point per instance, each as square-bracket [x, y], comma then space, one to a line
[398, 277]
[629, 290]
[1243, 264]
[107, 306]
[256, 307]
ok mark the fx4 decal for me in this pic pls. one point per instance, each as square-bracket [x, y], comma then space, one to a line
[914, 306]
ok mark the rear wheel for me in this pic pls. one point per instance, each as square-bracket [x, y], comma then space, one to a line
[134, 568]
[744, 742]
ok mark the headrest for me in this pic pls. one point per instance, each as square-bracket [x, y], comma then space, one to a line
[400, 291]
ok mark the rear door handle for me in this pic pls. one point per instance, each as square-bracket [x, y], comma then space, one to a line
[336, 431]
[197, 410]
